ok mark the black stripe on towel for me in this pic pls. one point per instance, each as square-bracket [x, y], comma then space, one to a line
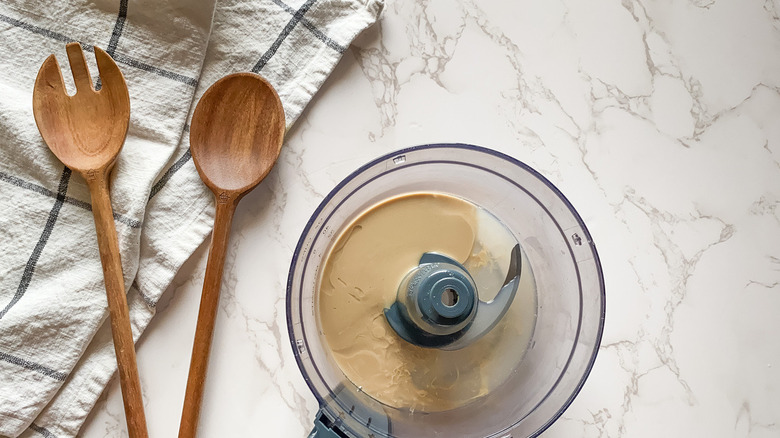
[118, 26]
[316, 32]
[18, 182]
[122, 59]
[42, 430]
[46, 371]
[169, 173]
[297, 17]
[29, 270]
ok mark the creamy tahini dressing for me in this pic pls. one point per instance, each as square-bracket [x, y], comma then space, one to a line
[360, 278]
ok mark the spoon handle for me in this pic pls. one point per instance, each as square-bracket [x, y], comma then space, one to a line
[207, 315]
[121, 331]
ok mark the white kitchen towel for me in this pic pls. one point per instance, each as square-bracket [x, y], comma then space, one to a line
[56, 355]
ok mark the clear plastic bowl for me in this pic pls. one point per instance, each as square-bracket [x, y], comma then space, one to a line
[569, 287]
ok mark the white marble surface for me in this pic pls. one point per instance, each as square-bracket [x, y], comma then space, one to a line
[659, 120]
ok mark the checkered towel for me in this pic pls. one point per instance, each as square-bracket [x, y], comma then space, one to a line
[55, 344]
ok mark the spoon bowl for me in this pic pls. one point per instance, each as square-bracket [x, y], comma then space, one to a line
[236, 133]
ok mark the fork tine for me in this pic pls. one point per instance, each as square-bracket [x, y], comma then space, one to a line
[106, 66]
[113, 83]
[78, 66]
[49, 79]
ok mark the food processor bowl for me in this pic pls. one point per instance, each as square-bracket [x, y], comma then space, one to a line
[570, 296]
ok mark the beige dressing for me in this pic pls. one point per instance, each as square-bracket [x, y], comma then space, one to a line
[360, 278]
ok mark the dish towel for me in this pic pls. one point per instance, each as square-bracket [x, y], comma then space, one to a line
[56, 355]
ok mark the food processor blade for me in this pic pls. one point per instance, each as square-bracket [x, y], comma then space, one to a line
[490, 313]
[438, 306]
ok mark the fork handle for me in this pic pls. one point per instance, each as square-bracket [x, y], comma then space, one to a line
[121, 331]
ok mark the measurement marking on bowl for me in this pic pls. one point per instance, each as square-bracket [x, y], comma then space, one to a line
[577, 239]
[301, 347]
[399, 159]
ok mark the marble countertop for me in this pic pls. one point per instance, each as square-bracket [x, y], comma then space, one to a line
[659, 120]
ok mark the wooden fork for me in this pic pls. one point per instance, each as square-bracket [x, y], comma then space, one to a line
[86, 132]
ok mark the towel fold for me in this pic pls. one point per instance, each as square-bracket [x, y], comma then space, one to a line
[56, 355]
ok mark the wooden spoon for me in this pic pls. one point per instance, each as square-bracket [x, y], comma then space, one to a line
[86, 131]
[235, 138]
